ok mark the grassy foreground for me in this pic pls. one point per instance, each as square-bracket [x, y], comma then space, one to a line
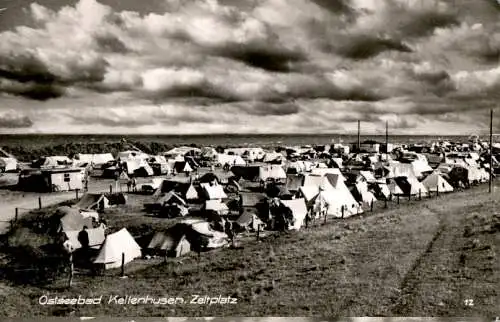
[422, 258]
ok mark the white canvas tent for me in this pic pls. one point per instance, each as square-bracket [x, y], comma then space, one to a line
[434, 182]
[325, 171]
[299, 212]
[366, 196]
[273, 171]
[116, 244]
[230, 159]
[216, 205]
[132, 155]
[96, 237]
[8, 164]
[95, 159]
[213, 191]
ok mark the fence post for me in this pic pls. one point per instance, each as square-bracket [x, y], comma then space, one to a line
[397, 196]
[419, 194]
[71, 271]
[437, 191]
[409, 195]
[39, 202]
[258, 232]
[123, 264]
[371, 206]
[76, 191]
[385, 202]
[110, 188]
[342, 210]
[17, 214]
[325, 217]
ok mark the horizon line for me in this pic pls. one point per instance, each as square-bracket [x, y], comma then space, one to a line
[244, 134]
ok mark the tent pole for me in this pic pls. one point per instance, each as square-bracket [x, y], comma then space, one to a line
[359, 136]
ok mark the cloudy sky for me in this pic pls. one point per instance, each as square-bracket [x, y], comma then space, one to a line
[248, 66]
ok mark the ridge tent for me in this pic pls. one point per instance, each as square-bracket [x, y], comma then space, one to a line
[93, 201]
[96, 237]
[367, 176]
[250, 173]
[172, 243]
[223, 159]
[170, 198]
[132, 155]
[273, 157]
[434, 182]
[382, 190]
[116, 244]
[361, 194]
[273, 171]
[213, 191]
[182, 167]
[299, 212]
[95, 159]
[332, 201]
[411, 186]
[325, 171]
[216, 205]
[249, 221]
[68, 219]
[8, 164]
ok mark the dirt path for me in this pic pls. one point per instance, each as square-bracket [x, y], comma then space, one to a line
[442, 281]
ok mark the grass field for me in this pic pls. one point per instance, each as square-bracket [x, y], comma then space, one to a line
[419, 258]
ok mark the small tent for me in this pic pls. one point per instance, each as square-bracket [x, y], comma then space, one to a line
[172, 242]
[70, 219]
[213, 191]
[115, 246]
[96, 237]
[434, 182]
[299, 212]
[216, 205]
[93, 201]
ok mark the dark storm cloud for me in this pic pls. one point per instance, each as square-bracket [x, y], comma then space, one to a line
[203, 90]
[422, 24]
[13, 121]
[437, 82]
[366, 46]
[25, 68]
[25, 75]
[264, 109]
[267, 57]
[336, 6]
[111, 44]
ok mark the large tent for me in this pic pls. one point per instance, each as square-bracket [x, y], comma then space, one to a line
[115, 246]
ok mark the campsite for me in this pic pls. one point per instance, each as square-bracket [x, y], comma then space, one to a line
[289, 230]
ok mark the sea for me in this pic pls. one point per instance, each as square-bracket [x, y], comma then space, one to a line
[228, 140]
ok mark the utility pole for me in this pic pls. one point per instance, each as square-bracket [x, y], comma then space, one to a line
[491, 151]
[359, 136]
[386, 138]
